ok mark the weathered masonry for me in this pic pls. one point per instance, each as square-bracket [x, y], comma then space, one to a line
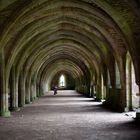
[93, 44]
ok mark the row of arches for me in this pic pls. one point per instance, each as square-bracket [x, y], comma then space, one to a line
[91, 42]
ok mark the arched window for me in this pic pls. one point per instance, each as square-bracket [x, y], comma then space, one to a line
[62, 82]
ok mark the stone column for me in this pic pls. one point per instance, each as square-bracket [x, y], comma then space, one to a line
[4, 103]
[37, 89]
[35, 95]
[30, 88]
[139, 95]
[14, 91]
[129, 86]
[33, 87]
[99, 89]
[21, 90]
[28, 98]
[98, 93]
[103, 89]
[138, 111]
[91, 91]
[122, 98]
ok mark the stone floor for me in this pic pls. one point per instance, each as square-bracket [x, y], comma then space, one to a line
[68, 116]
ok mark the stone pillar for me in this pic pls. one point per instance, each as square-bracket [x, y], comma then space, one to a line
[104, 92]
[103, 89]
[33, 95]
[108, 89]
[14, 91]
[22, 90]
[37, 89]
[33, 84]
[92, 91]
[4, 103]
[129, 85]
[139, 95]
[34, 87]
[122, 97]
[138, 111]
[34, 90]
[99, 89]
[27, 99]
[98, 93]
[31, 89]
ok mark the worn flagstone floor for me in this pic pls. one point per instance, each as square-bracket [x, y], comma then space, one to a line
[67, 116]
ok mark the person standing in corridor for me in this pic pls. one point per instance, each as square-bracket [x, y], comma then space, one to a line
[55, 90]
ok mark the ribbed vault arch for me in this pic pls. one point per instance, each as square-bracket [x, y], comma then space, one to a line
[84, 38]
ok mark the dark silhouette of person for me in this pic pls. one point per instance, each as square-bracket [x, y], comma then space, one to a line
[55, 90]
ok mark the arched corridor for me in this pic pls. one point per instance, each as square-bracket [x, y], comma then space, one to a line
[90, 46]
[67, 116]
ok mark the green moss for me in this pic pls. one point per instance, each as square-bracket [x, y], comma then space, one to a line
[5, 114]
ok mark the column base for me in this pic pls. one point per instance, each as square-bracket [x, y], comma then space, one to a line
[31, 99]
[127, 109]
[5, 114]
[27, 102]
[38, 96]
[35, 98]
[21, 105]
[98, 100]
[138, 115]
[15, 109]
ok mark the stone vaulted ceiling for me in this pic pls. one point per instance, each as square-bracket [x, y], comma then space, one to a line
[82, 37]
